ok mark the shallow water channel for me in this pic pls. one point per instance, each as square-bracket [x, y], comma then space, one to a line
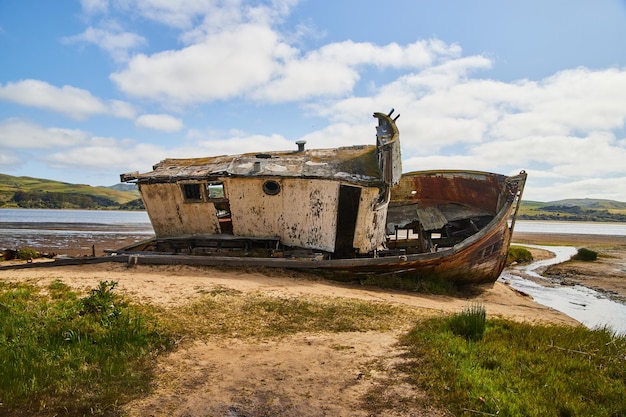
[591, 308]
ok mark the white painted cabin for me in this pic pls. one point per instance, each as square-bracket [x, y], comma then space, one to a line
[330, 200]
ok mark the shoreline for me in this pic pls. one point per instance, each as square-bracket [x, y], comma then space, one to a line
[607, 274]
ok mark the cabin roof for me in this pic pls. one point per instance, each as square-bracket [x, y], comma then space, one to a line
[357, 164]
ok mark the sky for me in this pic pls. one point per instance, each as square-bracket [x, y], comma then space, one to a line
[92, 89]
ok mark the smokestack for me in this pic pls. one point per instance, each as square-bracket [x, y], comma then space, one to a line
[301, 144]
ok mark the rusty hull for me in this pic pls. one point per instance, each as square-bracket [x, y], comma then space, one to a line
[478, 258]
[347, 210]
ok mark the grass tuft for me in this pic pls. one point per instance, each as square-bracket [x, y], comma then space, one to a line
[470, 323]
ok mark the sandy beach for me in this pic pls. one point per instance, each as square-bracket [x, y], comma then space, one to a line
[306, 374]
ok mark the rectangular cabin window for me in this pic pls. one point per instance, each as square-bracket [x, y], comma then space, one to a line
[215, 191]
[192, 192]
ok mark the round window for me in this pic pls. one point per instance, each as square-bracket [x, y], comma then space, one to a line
[271, 187]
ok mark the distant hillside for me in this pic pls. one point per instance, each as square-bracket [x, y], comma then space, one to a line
[125, 187]
[591, 203]
[586, 209]
[28, 192]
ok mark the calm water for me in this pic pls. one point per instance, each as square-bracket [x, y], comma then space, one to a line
[102, 217]
[577, 228]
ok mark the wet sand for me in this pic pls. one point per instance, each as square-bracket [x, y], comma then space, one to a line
[73, 239]
[576, 240]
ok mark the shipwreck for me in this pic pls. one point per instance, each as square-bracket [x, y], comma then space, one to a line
[347, 210]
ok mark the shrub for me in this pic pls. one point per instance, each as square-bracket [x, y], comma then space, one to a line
[27, 253]
[586, 255]
[518, 254]
[101, 300]
[470, 323]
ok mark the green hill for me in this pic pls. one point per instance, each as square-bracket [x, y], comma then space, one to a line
[585, 209]
[591, 203]
[31, 192]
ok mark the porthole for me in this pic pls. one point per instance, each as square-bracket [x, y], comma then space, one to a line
[271, 187]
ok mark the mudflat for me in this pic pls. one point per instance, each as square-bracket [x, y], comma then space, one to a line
[607, 274]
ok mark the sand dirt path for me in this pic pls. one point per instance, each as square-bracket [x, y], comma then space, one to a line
[328, 374]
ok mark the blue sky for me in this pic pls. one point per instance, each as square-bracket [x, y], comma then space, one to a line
[94, 88]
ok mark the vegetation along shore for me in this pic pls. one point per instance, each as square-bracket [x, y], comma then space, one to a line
[108, 340]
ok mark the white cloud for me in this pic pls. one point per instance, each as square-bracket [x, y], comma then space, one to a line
[19, 134]
[181, 14]
[573, 157]
[162, 122]
[9, 159]
[121, 109]
[342, 134]
[233, 142]
[571, 101]
[116, 155]
[251, 61]
[73, 149]
[463, 162]
[71, 101]
[112, 40]
[215, 15]
[303, 80]
[597, 187]
[559, 128]
[223, 66]
[94, 6]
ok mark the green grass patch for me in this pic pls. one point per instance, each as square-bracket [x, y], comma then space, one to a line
[520, 369]
[70, 354]
[65, 355]
[229, 314]
[518, 254]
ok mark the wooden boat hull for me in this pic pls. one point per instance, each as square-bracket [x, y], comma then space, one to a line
[478, 258]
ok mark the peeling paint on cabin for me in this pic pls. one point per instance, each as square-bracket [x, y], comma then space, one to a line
[370, 224]
[317, 199]
[297, 214]
[172, 216]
